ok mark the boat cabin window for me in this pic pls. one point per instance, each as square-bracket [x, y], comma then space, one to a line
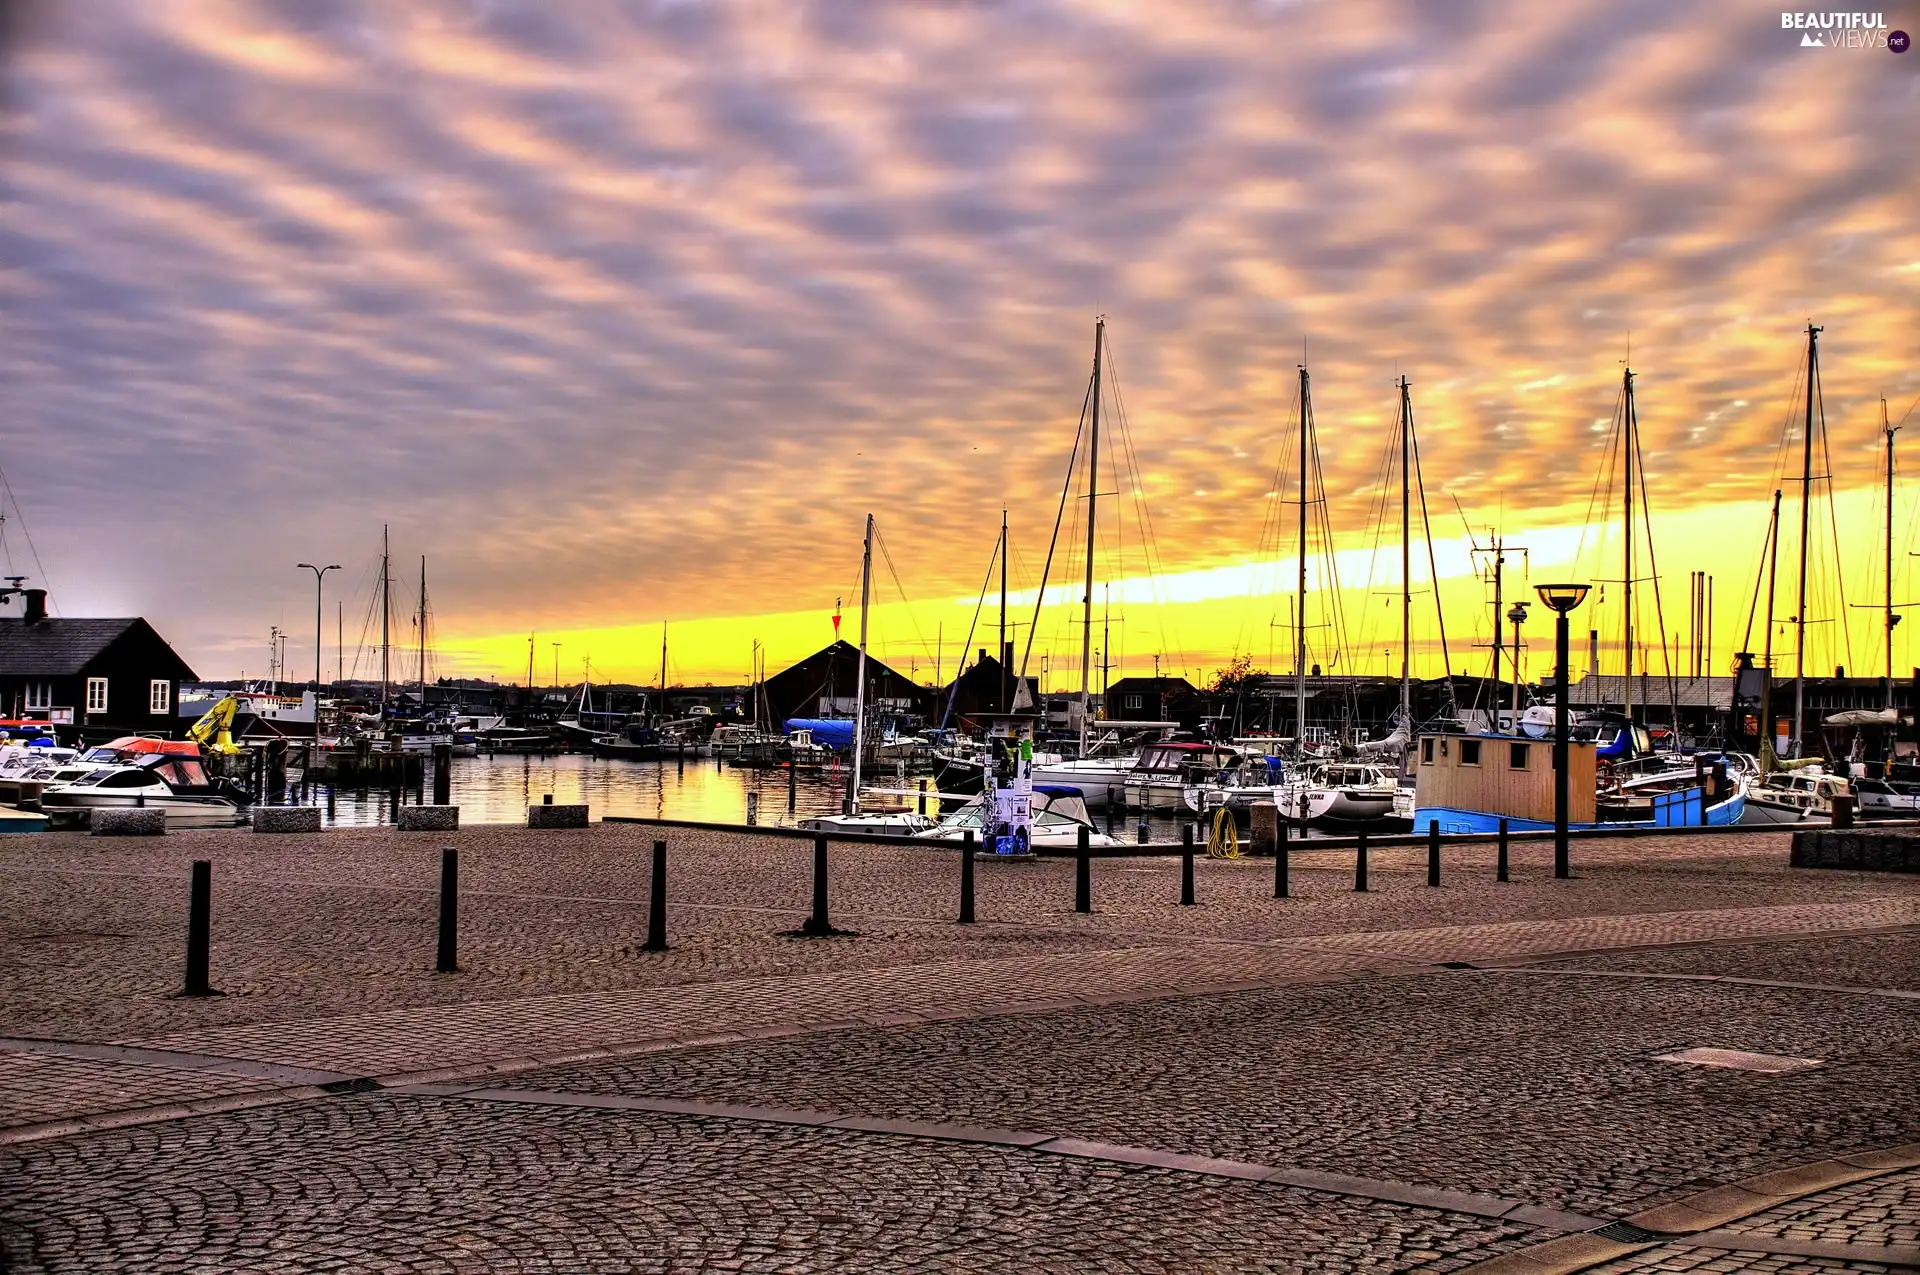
[1469, 752]
[121, 779]
[183, 772]
[1517, 757]
[1426, 752]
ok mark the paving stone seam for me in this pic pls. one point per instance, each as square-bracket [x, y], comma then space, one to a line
[1729, 980]
[1701, 1220]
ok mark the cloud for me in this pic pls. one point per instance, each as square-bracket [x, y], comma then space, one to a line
[625, 310]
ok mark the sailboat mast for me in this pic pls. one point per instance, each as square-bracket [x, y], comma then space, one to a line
[1300, 594]
[661, 710]
[1000, 656]
[386, 614]
[860, 675]
[1889, 431]
[1093, 504]
[1406, 557]
[1767, 753]
[1806, 505]
[1626, 575]
[420, 638]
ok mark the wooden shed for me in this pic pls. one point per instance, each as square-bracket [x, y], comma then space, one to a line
[1507, 776]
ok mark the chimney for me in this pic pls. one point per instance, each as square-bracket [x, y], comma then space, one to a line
[36, 606]
[1006, 656]
[1593, 654]
[983, 656]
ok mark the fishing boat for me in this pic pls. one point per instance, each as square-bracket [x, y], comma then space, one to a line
[1796, 796]
[1157, 779]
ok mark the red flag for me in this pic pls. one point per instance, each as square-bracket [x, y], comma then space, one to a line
[836, 619]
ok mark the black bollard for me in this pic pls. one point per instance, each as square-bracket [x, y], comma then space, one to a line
[1281, 885]
[447, 960]
[1360, 863]
[330, 809]
[199, 929]
[443, 774]
[790, 787]
[818, 923]
[1433, 853]
[657, 902]
[1083, 873]
[1186, 866]
[1500, 868]
[393, 805]
[966, 878]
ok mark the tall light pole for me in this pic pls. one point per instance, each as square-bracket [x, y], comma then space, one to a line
[1516, 615]
[319, 575]
[1562, 598]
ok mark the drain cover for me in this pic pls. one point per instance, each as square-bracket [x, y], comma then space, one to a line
[1626, 1233]
[1741, 1060]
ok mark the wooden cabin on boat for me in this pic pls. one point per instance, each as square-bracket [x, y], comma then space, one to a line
[1506, 776]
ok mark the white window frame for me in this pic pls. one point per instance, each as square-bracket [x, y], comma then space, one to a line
[96, 695]
[159, 696]
[39, 696]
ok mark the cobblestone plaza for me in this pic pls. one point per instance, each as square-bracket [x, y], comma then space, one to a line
[1478, 1075]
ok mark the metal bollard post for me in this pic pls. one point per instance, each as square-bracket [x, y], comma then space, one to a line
[1145, 833]
[1500, 869]
[447, 959]
[199, 929]
[443, 774]
[1433, 853]
[657, 902]
[1281, 867]
[920, 802]
[966, 878]
[1083, 873]
[1360, 863]
[1113, 800]
[753, 809]
[393, 805]
[818, 923]
[1186, 866]
[791, 788]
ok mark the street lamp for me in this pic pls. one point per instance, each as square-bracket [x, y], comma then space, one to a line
[319, 575]
[1562, 598]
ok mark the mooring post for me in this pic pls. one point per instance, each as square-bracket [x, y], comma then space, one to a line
[753, 809]
[393, 805]
[819, 923]
[966, 878]
[1083, 872]
[1433, 853]
[657, 901]
[443, 774]
[1186, 865]
[447, 960]
[199, 929]
[1500, 868]
[1360, 863]
[1112, 800]
[920, 802]
[790, 787]
[1281, 884]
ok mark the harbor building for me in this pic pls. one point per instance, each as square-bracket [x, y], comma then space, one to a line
[92, 679]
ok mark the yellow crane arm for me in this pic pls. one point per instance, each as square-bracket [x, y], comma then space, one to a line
[213, 731]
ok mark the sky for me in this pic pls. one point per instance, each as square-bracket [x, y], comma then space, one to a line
[625, 313]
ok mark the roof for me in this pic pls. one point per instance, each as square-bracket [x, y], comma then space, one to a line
[56, 647]
[1652, 689]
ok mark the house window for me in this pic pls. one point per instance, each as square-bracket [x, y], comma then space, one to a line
[1426, 752]
[159, 695]
[1517, 758]
[1133, 701]
[39, 695]
[96, 695]
[1469, 752]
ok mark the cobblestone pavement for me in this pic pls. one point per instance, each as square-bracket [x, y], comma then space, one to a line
[380, 1183]
[342, 922]
[1314, 1033]
[1677, 1258]
[1877, 1211]
[1541, 1089]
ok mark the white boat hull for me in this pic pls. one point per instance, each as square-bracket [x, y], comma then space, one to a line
[69, 809]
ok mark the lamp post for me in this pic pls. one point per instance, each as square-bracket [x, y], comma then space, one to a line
[1562, 598]
[319, 575]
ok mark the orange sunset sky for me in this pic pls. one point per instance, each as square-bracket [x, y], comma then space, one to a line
[628, 311]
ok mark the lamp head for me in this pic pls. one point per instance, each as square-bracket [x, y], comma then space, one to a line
[1517, 613]
[1562, 597]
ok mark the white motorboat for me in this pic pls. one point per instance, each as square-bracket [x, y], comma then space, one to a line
[1059, 813]
[173, 782]
[1793, 797]
[875, 823]
[1887, 798]
[1157, 779]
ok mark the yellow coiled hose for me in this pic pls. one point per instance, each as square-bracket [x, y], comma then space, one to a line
[1224, 841]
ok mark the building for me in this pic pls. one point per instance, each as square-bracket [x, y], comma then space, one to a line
[987, 686]
[1152, 699]
[826, 683]
[94, 679]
